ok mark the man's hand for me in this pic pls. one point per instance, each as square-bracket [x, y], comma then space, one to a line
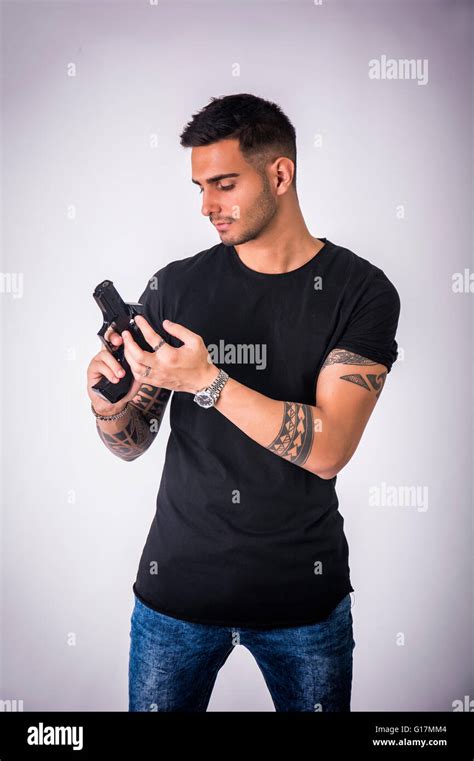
[185, 369]
[105, 365]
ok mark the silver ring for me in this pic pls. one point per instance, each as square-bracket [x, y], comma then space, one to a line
[155, 348]
[147, 371]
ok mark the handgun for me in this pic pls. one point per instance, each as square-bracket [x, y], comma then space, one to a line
[118, 315]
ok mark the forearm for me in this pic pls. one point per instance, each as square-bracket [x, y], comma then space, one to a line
[131, 435]
[297, 432]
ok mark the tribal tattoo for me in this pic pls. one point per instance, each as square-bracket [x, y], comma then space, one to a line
[132, 440]
[151, 401]
[295, 437]
[141, 426]
[369, 381]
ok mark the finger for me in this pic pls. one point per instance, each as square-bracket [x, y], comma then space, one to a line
[111, 362]
[112, 336]
[116, 339]
[106, 371]
[150, 335]
[133, 348]
[137, 368]
[184, 334]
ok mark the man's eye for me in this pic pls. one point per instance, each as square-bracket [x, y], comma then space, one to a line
[223, 187]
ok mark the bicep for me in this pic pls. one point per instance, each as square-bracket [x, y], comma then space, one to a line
[347, 391]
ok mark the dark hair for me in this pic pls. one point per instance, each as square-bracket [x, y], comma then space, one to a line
[263, 130]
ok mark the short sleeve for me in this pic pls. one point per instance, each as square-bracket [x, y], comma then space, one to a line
[372, 326]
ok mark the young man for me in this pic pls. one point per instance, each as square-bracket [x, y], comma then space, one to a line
[278, 350]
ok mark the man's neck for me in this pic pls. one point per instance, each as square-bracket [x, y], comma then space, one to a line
[279, 259]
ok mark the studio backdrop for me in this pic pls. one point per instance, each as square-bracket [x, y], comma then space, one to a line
[95, 185]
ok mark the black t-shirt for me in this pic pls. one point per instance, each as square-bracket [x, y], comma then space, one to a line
[241, 536]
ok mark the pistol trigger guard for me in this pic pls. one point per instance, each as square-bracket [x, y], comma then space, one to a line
[105, 327]
[107, 344]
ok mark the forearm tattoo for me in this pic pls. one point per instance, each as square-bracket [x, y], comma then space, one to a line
[295, 437]
[139, 430]
[151, 401]
[369, 381]
[132, 440]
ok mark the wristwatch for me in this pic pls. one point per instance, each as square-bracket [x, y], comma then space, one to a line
[207, 397]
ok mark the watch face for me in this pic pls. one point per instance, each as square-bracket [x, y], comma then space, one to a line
[204, 399]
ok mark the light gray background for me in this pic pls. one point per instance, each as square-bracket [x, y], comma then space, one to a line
[74, 517]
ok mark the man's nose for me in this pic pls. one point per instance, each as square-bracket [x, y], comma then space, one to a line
[209, 205]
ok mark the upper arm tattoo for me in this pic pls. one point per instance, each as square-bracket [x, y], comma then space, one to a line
[369, 381]
[295, 437]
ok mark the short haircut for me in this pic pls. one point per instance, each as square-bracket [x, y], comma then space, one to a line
[263, 130]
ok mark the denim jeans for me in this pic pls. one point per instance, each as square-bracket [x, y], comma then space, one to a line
[174, 663]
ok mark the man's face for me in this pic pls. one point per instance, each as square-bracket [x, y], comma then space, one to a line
[233, 192]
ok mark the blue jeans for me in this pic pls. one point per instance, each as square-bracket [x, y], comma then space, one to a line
[174, 663]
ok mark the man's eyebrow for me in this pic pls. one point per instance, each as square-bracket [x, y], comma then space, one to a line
[217, 177]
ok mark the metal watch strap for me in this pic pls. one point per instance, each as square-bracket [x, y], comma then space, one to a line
[218, 384]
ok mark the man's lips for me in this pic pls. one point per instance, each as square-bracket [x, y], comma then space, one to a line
[221, 225]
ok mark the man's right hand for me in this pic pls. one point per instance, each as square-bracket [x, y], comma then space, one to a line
[105, 365]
